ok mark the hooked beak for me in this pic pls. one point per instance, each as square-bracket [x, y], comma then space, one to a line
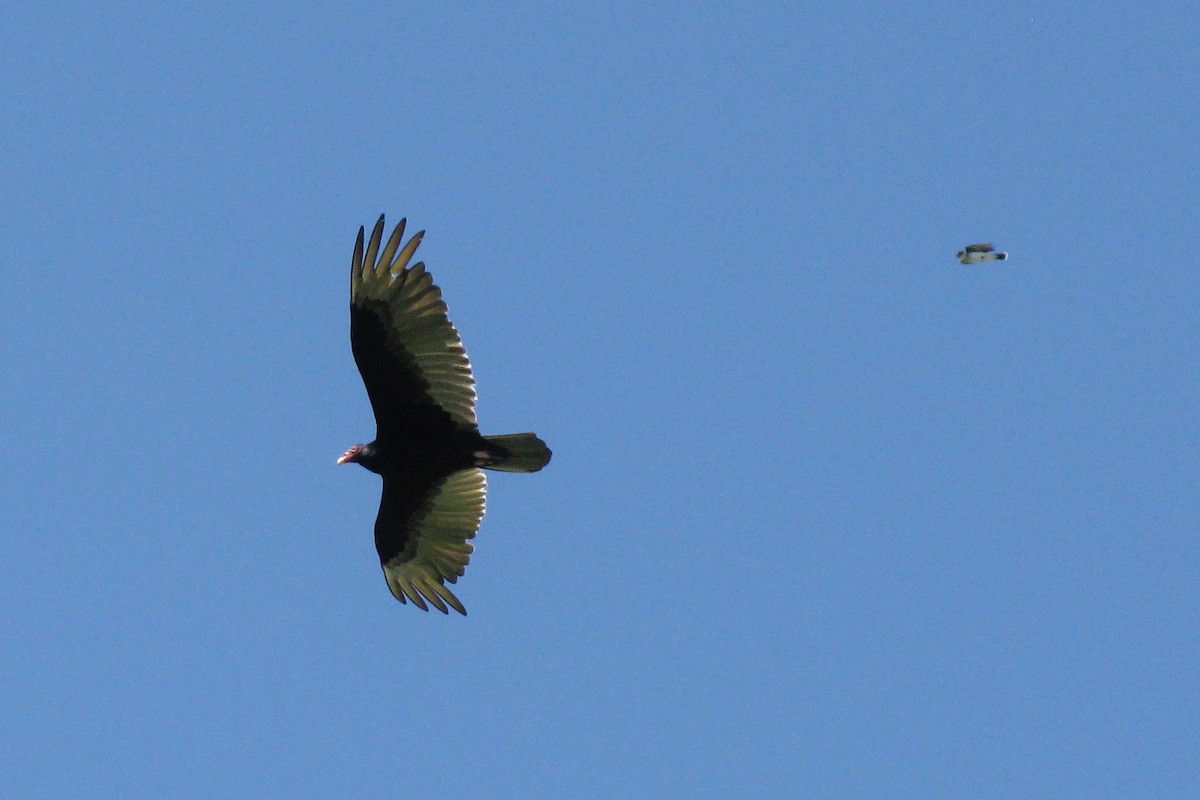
[348, 456]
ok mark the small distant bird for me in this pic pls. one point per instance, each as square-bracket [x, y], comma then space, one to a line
[427, 444]
[975, 253]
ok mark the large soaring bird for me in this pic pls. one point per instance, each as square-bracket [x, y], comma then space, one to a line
[427, 444]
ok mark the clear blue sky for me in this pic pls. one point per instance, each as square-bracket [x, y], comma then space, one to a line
[830, 515]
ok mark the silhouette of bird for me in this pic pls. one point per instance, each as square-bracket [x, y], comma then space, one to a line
[976, 253]
[427, 446]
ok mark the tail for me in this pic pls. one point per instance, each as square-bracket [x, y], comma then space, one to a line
[518, 452]
[1001, 256]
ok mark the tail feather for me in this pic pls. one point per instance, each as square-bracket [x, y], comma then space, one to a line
[1001, 256]
[518, 452]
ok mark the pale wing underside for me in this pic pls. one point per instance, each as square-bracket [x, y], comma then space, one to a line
[415, 317]
[436, 548]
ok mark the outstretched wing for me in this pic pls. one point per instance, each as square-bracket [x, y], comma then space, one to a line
[421, 534]
[981, 247]
[409, 354]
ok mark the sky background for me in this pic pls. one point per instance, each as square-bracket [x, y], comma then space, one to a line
[830, 514]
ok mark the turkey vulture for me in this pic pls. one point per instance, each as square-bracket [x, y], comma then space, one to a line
[427, 444]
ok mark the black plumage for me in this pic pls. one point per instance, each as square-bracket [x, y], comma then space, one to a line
[427, 443]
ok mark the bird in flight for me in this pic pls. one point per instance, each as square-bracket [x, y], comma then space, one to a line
[975, 253]
[427, 443]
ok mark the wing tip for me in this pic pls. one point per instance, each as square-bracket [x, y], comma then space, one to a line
[423, 590]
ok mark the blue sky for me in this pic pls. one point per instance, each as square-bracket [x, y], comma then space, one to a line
[830, 515]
